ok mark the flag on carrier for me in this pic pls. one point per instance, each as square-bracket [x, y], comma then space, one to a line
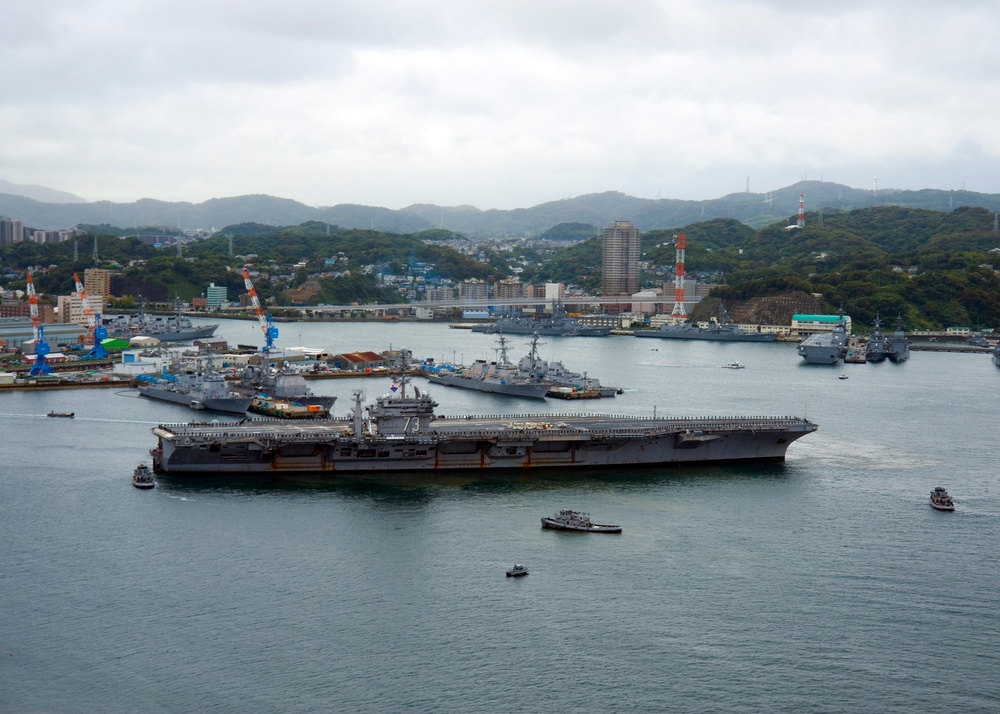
[394, 387]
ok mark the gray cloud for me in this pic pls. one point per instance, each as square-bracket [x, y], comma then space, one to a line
[494, 104]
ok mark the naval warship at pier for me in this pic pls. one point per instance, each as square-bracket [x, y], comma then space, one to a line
[400, 432]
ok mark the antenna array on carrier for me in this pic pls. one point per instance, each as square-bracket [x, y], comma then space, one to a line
[678, 310]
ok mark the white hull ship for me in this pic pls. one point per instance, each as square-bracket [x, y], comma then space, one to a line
[402, 433]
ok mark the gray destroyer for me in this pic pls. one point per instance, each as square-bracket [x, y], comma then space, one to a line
[722, 331]
[401, 433]
[877, 347]
[195, 388]
[171, 328]
[898, 349]
[559, 323]
[281, 382]
[499, 377]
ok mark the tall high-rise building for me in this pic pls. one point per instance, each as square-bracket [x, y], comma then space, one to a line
[216, 296]
[97, 281]
[11, 231]
[620, 259]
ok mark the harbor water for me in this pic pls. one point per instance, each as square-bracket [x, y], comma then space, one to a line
[823, 584]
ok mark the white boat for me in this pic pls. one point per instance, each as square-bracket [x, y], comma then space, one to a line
[734, 365]
[517, 571]
[142, 477]
[941, 501]
[843, 376]
[567, 520]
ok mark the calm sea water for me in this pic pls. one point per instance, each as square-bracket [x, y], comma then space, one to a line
[824, 584]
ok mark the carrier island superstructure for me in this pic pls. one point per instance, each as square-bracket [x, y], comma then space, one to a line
[401, 433]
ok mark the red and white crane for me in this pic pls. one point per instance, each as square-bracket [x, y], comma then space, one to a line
[266, 321]
[87, 311]
[94, 326]
[41, 346]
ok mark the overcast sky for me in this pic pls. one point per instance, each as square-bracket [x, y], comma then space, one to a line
[495, 104]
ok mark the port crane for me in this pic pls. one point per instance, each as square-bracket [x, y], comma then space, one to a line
[97, 330]
[265, 320]
[41, 346]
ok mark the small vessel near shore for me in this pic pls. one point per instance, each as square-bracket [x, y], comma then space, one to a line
[284, 409]
[517, 571]
[62, 415]
[142, 477]
[941, 501]
[734, 365]
[567, 520]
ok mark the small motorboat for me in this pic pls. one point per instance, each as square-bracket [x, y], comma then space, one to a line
[843, 376]
[63, 415]
[517, 571]
[734, 365]
[142, 477]
[567, 520]
[941, 501]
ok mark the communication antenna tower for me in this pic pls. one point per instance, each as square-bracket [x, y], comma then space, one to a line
[801, 222]
[230, 245]
[678, 310]
[95, 250]
[875, 187]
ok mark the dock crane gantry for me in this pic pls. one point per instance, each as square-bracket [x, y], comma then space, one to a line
[41, 346]
[97, 331]
[265, 320]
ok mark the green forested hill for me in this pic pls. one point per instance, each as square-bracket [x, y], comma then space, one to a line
[933, 267]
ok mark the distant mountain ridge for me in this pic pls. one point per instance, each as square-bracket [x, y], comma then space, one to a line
[39, 193]
[598, 209]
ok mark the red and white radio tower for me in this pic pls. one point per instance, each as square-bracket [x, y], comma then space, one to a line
[679, 278]
[801, 223]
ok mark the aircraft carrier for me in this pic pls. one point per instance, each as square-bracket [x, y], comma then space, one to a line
[401, 433]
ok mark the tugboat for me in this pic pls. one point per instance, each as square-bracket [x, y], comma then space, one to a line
[517, 571]
[142, 477]
[567, 520]
[941, 501]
